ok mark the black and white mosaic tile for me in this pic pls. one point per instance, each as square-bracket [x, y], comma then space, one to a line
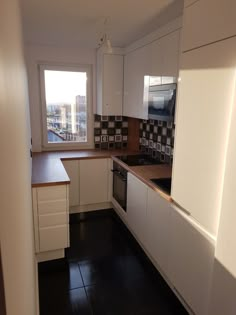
[110, 132]
[156, 138]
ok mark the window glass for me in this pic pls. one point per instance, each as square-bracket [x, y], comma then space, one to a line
[66, 106]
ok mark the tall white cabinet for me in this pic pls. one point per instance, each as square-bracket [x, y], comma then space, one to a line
[224, 284]
[207, 21]
[203, 112]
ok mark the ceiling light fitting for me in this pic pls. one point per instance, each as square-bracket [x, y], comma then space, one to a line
[105, 41]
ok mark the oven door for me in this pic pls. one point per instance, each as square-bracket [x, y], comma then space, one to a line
[120, 189]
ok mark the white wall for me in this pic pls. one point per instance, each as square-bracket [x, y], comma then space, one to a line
[51, 54]
[16, 223]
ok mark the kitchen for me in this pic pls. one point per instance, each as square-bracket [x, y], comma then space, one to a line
[195, 251]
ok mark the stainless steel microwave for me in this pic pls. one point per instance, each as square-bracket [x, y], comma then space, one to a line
[161, 98]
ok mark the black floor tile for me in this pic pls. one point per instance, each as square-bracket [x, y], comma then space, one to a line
[109, 300]
[105, 272]
[72, 302]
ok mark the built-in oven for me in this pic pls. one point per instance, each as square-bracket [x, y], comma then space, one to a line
[120, 184]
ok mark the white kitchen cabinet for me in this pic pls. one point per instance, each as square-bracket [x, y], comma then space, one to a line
[165, 55]
[205, 99]
[160, 58]
[137, 65]
[137, 207]
[72, 169]
[224, 276]
[208, 21]
[191, 258]
[51, 217]
[94, 181]
[110, 69]
[158, 229]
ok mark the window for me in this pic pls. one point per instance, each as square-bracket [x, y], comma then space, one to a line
[66, 106]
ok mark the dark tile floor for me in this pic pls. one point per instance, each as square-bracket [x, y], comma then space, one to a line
[105, 273]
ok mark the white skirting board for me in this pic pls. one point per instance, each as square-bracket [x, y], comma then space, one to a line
[50, 255]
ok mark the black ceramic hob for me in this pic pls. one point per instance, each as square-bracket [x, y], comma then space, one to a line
[139, 159]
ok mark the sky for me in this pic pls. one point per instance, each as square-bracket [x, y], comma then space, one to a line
[63, 86]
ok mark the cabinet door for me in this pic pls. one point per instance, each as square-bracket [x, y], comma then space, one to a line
[156, 58]
[191, 258]
[93, 181]
[171, 47]
[207, 21]
[165, 55]
[72, 169]
[51, 219]
[158, 228]
[224, 284]
[205, 98]
[112, 84]
[137, 65]
[137, 207]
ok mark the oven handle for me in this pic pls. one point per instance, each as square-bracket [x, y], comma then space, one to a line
[118, 173]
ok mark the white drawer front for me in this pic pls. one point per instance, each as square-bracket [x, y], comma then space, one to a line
[53, 238]
[53, 219]
[51, 193]
[54, 206]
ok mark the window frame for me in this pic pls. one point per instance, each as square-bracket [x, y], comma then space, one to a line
[66, 145]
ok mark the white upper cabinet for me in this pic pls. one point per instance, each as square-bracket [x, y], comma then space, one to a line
[137, 65]
[190, 262]
[109, 83]
[94, 181]
[204, 105]
[165, 55]
[137, 207]
[160, 58]
[158, 229]
[207, 21]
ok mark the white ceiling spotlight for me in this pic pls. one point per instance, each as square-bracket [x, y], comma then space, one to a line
[105, 42]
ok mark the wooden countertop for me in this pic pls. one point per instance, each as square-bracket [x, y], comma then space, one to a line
[47, 167]
[145, 173]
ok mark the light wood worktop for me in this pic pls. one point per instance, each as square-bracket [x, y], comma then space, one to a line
[146, 172]
[47, 167]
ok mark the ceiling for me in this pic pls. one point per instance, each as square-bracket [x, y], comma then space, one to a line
[81, 22]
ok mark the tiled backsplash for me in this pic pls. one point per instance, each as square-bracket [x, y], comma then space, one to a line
[157, 139]
[110, 132]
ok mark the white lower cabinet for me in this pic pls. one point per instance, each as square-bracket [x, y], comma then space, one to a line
[191, 258]
[158, 229]
[51, 218]
[94, 181]
[182, 249]
[72, 170]
[137, 207]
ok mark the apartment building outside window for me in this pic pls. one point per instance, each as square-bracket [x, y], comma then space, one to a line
[66, 106]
